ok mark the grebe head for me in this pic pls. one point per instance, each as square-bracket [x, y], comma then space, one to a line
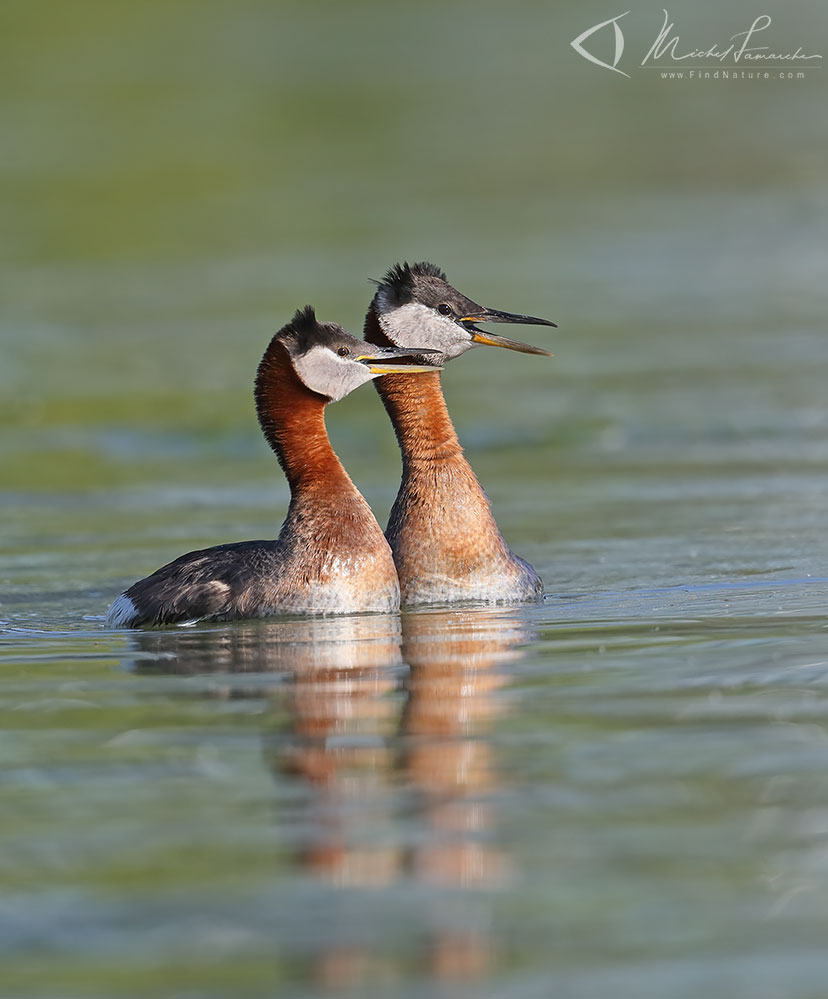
[415, 305]
[332, 363]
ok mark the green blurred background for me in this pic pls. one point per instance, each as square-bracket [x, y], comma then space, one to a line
[178, 177]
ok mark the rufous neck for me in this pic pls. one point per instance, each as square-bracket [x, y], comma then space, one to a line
[416, 406]
[292, 418]
[420, 418]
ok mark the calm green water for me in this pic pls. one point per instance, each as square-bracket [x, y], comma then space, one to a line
[620, 792]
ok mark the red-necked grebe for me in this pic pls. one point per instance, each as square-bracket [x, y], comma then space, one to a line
[331, 555]
[445, 541]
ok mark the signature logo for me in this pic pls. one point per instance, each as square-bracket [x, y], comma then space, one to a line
[619, 44]
[741, 49]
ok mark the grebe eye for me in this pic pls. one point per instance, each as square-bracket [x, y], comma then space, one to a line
[343, 351]
[445, 310]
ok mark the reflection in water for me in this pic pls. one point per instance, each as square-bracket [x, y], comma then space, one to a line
[274, 645]
[387, 723]
[453, 659]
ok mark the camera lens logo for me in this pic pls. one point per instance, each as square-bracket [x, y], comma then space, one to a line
[619, 44]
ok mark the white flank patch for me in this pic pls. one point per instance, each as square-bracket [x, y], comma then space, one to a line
[189, 623]
[122, 613]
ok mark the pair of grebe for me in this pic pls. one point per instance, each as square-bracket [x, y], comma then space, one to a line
[442, 543]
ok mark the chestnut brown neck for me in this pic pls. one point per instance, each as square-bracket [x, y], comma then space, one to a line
[292, 418]
[416, 407]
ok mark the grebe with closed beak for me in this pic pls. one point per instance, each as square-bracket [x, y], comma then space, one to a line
[331, 555]
[446, 544]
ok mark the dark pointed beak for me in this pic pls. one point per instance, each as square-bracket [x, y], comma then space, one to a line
[393, 360]
[496, 316]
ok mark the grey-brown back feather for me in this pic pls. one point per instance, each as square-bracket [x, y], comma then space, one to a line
[207, 583]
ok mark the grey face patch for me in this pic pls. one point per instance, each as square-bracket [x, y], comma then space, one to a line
[328, 374]
[418, 325]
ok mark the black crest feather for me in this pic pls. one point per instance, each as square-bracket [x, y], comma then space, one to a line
[304, 320]
[399, 279]
[305, 331]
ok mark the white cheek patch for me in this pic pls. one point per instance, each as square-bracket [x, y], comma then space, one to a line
[416, 325]
[325, 372]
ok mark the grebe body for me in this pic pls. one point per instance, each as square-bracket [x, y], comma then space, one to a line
[446, 544]
[331, 555]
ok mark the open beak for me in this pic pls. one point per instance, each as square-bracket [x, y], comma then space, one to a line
[395, 360]
[493, 340]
